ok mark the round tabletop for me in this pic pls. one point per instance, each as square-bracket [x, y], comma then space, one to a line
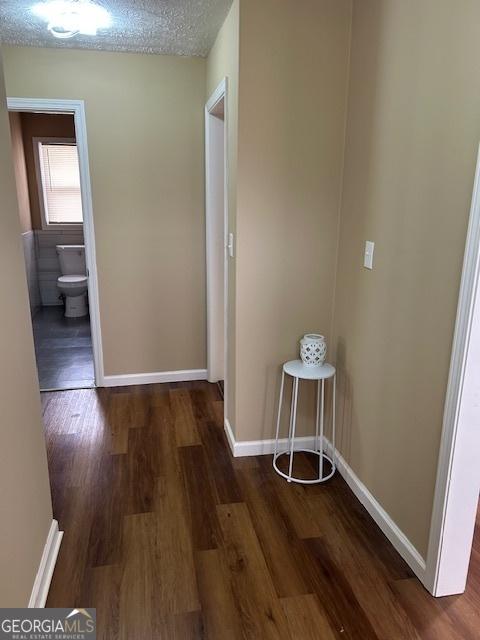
[297, 369]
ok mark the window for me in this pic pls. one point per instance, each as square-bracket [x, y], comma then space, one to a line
[59, 183]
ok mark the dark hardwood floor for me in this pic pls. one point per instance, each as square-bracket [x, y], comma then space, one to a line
[169, 537]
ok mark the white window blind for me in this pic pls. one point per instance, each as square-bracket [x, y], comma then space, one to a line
[60, 183]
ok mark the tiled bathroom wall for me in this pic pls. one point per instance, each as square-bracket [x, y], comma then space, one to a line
[48, 264]
[30, 253]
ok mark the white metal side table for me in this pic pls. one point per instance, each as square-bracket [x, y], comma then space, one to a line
[298, 371]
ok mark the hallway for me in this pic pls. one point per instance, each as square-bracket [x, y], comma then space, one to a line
[169, 537]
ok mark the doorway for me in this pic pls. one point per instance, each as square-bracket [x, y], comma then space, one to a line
[53, 186]
[217, 245]
[458, 477]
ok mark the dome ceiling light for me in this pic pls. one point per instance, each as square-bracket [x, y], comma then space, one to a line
[68, 18]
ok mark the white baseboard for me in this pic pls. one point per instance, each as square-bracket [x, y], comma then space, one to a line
[394, 534]
[261, 447]
[44, 575]
[154, 378]
[230, 436]
[390, 529]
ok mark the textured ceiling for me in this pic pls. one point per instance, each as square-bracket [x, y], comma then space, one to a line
[176, 27]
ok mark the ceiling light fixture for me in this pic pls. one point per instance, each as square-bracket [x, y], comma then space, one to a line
[68, 18]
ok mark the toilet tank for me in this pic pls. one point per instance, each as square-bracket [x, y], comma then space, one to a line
[72, 259]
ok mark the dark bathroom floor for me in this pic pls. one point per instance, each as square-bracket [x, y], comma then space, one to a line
[63, 348]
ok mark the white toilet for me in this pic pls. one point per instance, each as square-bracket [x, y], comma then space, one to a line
[73, 281]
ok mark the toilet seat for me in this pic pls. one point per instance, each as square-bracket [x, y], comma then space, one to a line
[72, 282]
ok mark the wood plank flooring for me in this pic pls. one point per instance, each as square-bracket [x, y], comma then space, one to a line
[171, 538]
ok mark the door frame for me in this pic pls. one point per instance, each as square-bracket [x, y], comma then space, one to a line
[458, 474]
[77, 109]
[213, 295]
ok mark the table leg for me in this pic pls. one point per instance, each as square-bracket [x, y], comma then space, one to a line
[334, 416]
[322, 426]
[280, 401]
[293, 419]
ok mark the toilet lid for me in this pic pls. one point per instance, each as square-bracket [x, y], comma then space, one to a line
[72, 279]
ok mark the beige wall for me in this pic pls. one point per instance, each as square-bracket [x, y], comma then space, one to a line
[41, 125]
[292, 101]
[412, 137]
[222, 62]
[25, 504]
[145, 134]
[21, 182]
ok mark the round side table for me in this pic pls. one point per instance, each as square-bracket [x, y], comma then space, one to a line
[298, 371]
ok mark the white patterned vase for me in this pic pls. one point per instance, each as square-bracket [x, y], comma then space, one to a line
[313, 349]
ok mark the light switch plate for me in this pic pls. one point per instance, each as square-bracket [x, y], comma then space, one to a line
[368, 257]
[230, 246]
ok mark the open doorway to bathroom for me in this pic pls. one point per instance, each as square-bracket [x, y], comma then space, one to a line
[51, 210]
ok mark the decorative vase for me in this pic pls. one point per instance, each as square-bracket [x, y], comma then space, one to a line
[313, 349]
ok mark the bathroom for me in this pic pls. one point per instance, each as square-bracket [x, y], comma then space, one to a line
[46, 170]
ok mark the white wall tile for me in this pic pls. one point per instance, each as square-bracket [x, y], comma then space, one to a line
[29, 252]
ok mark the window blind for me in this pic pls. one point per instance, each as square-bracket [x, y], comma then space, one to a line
[61, 183]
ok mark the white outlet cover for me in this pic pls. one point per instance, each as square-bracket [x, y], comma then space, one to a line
[368, 257]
